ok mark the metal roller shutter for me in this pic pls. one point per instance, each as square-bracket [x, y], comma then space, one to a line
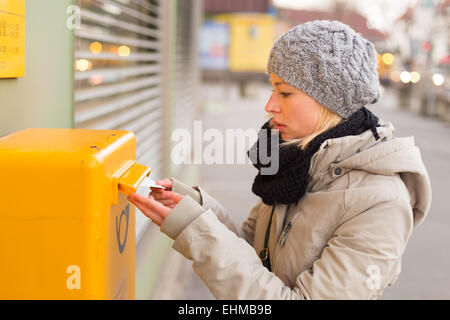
[186, 75]
[186, 66]
[118, 77]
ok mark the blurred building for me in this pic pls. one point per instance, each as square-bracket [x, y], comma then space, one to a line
[251, 38]
[420, 40]
[236, 40]
[345, 15]
[233, 6]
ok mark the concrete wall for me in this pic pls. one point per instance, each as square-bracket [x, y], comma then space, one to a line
[44, 97]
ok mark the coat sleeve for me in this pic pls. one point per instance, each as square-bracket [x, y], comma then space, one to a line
[183, 189]
[358, 262]
[205, 200]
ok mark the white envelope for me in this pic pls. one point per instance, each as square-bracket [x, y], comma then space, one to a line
[149, 183]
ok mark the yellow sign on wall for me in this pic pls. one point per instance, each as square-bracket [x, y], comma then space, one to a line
[12, 38]
[251, 38]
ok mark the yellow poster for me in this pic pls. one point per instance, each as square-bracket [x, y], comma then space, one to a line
[12, 38]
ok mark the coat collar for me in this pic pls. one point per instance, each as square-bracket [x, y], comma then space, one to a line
[346, 153]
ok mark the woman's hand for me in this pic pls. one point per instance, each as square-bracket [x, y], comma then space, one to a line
[159, 202]
[166, 197]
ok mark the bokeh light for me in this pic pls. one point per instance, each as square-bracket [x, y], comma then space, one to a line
[96, 47]
[438, 79]
[395, 76]
[388, 58]
[415, 77]
[124, 51]
[82, 65]
[405, 77]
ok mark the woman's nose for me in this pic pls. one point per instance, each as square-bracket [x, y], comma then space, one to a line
[273, 104]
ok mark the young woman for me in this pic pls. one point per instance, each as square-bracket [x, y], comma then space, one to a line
[334, 220]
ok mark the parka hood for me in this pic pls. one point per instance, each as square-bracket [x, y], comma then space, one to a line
[388, 155]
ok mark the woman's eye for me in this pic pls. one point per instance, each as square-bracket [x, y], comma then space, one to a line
[284, 94]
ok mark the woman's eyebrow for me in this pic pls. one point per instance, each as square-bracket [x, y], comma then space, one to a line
[276, 83]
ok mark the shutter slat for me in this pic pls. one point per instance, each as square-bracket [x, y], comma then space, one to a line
[118, 73]
[147, 5]
[134, 13]
[88, 32]
[114, 22]
[112, 56]
[111, 90]
[115, 120]
[93, 110]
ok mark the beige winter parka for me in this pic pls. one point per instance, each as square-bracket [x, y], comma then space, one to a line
[343, 240]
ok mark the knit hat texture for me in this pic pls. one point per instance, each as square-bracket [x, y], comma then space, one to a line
[330, 62]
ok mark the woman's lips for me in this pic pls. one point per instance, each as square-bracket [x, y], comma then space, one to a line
[278, 125]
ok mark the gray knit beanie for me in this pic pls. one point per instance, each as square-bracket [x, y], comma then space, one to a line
[330, 62]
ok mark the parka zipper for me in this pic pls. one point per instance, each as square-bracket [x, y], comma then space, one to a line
[282, 240]
[285, 233]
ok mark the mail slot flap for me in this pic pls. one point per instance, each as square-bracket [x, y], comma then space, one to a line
[127, 179]
[130, 180]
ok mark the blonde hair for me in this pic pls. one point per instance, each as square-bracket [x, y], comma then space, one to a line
[327, 120]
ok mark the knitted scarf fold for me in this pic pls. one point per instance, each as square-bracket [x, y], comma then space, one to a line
[289, 183]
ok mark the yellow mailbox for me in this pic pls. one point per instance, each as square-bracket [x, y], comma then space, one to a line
[67, 229]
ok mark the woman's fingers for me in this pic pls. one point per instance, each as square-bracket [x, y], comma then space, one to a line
[146, 207]
[166, 195]
[175, 196]
[158, 204]
[167, 183]
[167, 198]
[159, 195]
[156, 211]
[167, 202]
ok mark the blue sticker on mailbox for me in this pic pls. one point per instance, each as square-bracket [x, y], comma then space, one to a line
[125, 212]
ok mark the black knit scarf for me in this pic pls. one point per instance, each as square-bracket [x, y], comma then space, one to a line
[289, 183]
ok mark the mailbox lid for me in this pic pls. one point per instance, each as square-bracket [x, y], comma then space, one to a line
[56, 214]
[67, 141]
[61, 172]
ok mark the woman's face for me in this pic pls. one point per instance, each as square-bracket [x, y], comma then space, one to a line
[295, 114]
